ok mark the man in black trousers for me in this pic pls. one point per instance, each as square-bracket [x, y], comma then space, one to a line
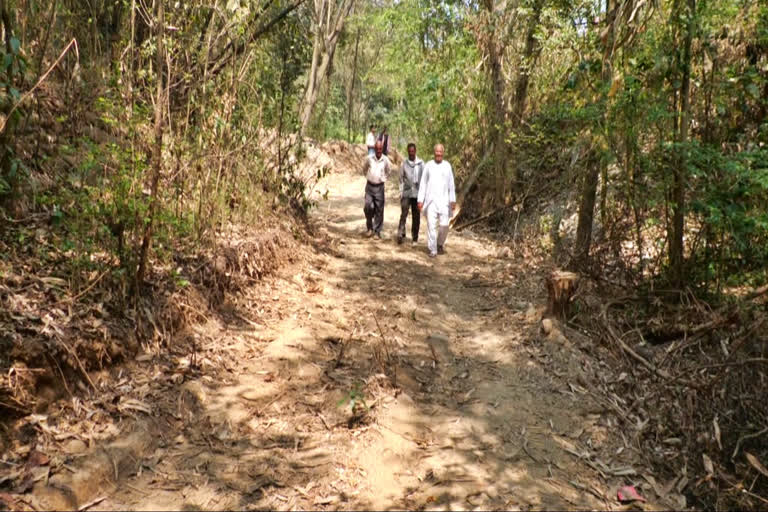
[376, 170]
[410, 174]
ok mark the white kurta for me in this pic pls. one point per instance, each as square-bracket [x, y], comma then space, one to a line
[437, 187]
[436, 192]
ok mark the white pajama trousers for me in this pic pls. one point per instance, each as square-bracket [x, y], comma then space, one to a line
[437, 227]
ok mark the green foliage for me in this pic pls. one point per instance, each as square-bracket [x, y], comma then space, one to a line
[732, 191]
[413, 75]
[422, 70]
[355, 400]
[13, 65]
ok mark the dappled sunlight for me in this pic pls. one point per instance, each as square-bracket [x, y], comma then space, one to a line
[395, 385]
[373, 377]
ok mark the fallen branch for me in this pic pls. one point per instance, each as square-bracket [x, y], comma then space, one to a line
[72, 352]
[757, 292]
[583, 487]
[325, 423]
[484, 217]
[15, 408]
[628, 349]
[91, 503]
[343, 347]
[386, 352]
[745, 438]
[61, 372]
[83, 292]
[740, 486]
[743, 362]
[528, 453]
[520, 202]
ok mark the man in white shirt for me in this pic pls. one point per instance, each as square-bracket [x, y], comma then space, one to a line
[376, 170]
[437, 198]
[370, 141]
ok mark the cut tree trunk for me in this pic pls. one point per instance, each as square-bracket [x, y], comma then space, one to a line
[561, 286]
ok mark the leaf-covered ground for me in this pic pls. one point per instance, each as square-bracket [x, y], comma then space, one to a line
[363, 375]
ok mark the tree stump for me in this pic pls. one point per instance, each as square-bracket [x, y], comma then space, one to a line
[561, 286]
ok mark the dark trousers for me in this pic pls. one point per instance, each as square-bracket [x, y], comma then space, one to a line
[374, 206]
[407, 203]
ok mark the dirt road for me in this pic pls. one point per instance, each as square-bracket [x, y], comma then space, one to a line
[464, 405]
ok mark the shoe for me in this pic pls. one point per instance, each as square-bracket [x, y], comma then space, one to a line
[415, 243]
[377, 235]
[369, 233]
[440, 249]
[433, 255]
[400, 240]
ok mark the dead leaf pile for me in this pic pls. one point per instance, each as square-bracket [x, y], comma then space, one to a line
[686, 384]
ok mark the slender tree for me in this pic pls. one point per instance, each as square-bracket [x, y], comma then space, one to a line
[676, 247]
[329, 17]
[157, 150]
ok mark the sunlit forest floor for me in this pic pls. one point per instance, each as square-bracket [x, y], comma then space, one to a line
[364, 375]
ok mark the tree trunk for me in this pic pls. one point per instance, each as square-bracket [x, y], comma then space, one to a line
[319, 71]
[350, 96]
[498, 108]
[328, 28]
[530, 57]
[595, 163]
[676, 248]
[215, 65]
[586, 215]
[499, 128]
[157, 150]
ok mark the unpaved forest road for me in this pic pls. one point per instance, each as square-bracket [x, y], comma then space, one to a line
[486, 425]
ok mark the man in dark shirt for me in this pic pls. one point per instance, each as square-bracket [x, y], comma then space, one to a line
[384, 139]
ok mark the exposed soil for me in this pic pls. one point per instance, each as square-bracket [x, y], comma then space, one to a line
[369, 376]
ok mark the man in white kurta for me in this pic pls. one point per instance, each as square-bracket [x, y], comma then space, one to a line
[437, 198]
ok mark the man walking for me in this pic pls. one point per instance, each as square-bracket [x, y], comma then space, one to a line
[384, 138]
[370, 140]
[410, 174]
[437, 197]
[376, 170]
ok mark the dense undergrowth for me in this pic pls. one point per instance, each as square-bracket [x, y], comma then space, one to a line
[127, 181]
[626, 140]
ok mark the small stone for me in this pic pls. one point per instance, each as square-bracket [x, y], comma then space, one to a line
[440, 338]
[75, 447]
[533, 313]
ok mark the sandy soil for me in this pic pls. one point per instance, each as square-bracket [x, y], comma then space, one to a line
[466, 405]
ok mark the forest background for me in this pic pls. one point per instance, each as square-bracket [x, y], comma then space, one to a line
[628, 135]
